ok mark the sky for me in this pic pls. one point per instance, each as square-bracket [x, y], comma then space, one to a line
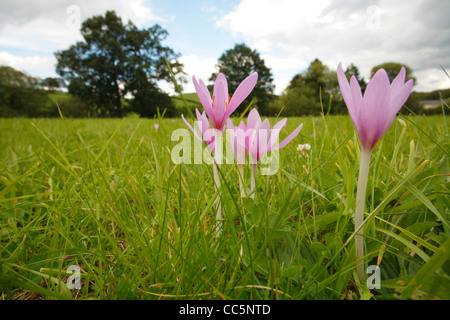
[288, 34]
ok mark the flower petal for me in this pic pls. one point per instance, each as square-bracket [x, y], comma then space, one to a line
[237, 136]
[242, 92]
[204, 97]
[223, 80]
[263, 137]
[220, 100]
[275, 132]
[242, 126]
[253, 119]
[345, 89]
[357, 101]
[398, 98]
[399, 80]
[203, 121]
[375, 110]
[400, 90]
[229, 124]
[289, 138]
[191, 128]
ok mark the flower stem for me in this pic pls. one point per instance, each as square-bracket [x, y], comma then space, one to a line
[253, 182]
[241, 180]
[359, 211]
[218, 203]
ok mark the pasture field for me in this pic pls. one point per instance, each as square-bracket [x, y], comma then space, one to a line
[104, 197]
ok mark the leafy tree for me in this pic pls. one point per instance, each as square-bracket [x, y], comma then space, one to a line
[149, 99]
[52, 83]
[115, 60]
[20, 95]
[353, 70]
[310, 91]
[392, 69]
[238, 63]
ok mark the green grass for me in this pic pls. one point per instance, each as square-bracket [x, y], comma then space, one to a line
[104, 195]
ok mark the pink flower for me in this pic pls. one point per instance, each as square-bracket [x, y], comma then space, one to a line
[204, 128]
[156, 126]
[373, 113]
[262, 139]
[238, 137]
[220, 107]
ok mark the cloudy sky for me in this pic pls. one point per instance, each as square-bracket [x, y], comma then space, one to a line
[288, 34]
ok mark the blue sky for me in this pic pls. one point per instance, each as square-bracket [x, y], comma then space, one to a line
[192, 26]
[288, 34]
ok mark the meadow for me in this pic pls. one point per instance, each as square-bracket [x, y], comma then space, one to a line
[104, 195]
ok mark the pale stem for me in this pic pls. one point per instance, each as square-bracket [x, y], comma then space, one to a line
[218, 204]
[359, 211]
[253, 182]
[241, 180]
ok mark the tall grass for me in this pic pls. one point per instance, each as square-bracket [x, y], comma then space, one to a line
[105, 196]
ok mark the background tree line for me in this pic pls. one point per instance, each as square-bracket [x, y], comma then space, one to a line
[115, 69]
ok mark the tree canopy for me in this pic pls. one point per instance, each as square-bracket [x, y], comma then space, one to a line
[116, 61]
[237, 64]
[20, 95]
[309, 92]
[392, 69]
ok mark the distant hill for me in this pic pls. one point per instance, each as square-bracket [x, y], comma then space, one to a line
[431, 101]
[433, 95]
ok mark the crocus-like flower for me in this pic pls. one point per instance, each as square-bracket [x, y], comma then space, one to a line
[372, 115]
[218, 109]
[203, 126]
[238, 139]
[156, 126]
[262, 139]
[221, 106]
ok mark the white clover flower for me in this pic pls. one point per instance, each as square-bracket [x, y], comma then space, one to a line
[303, 147]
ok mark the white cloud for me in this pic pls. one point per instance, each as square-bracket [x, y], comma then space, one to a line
[193, 65]
[33, 30]
[359, 32]
[31, 65]
[202, 69]
[283, 68]
[435, 77]
[52, 25]
[289, 34]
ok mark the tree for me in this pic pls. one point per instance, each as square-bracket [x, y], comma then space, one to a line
[353, 70]
[238, 63]
[392, 69]
[306, 91]
[20, 95]
[52, 84]
[115, 60]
